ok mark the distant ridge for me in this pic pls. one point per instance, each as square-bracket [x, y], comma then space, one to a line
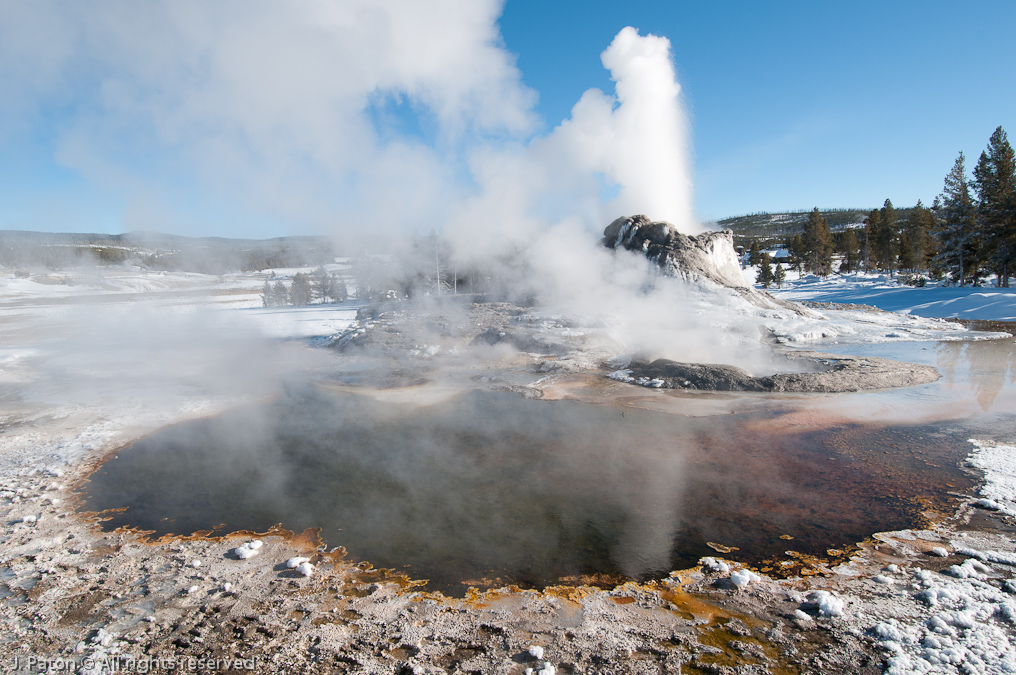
[156, 250]
[778, 228]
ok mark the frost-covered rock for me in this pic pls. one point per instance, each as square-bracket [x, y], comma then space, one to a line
[743, 577]
[708, 257]
[999, 490]
[305, 568]
[969, 569]
[536, 651]
[714, 565]
[1002, 557]
[295, 562]
[891, 631]
[988, 504]
[938, 594]
[827, 603]
[248, 549]
[103, 638]
[623, 375]
[547, 669]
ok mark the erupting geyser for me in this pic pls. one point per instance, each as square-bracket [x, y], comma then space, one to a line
[642, 143]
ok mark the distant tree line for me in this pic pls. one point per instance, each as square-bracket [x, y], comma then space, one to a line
[318, 286]
[968, 233]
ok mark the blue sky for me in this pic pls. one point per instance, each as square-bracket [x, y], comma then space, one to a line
[791, 105]
[800, 104]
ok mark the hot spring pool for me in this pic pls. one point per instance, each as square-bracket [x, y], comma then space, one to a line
[489, 488]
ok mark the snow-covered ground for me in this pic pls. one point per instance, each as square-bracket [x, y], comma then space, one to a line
[65, 292]
[933, 300]
[103, 354]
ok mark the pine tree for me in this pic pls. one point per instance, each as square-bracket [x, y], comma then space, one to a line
[886, 237]
[765, 272]
[267, 297]
[797, 253]
[779, 275]
[871, 226]
[818, 244]
[280, 296]
[337, 288]
[916, 243]
[995, 184]
[850, 248]
[319, 284]
[754, 253]
[957, 229]
[300, 290]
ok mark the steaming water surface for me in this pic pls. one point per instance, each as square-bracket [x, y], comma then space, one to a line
[489, 488]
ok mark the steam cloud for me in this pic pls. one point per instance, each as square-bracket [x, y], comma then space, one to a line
[305, 113]
[308, 113]
[362, 118]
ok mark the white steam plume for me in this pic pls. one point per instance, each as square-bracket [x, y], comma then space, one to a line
[641, 144]
[635, 141]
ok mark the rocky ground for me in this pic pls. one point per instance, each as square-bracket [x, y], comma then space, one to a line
[828, 373]
[74, 593]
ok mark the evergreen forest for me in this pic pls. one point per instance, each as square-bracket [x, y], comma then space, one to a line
[965, 237]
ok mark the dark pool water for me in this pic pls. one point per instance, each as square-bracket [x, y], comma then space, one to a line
[490, 488]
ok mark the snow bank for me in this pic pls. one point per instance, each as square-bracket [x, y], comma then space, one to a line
[997, 304]
[998, 461]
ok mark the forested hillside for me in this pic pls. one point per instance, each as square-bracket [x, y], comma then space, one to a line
[967, 236]
[777, 228]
